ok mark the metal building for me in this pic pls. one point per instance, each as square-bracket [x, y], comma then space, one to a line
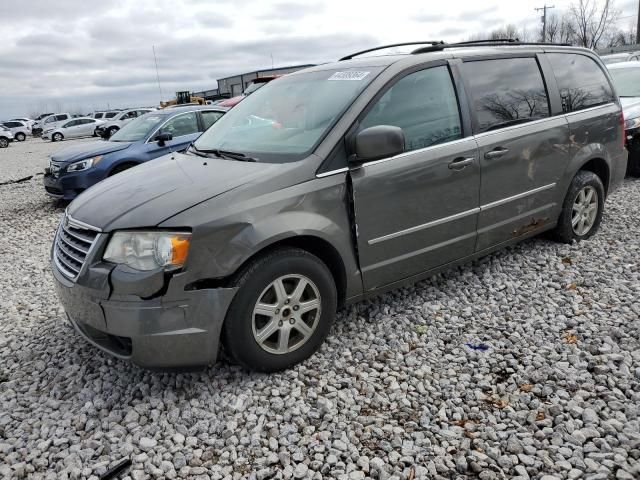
[235, 85]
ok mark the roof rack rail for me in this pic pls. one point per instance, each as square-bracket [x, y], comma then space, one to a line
[476, 43]
[429, 42]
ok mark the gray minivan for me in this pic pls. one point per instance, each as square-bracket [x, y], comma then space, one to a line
[332, 184]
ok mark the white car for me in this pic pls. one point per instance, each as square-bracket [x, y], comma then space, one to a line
[19, 129]
[54, 121]
[122, 118]
[5, 137]
[74, 128]
[27, 121]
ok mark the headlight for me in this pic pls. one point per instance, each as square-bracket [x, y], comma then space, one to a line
[632, 123]
[148, 250]
[84, 164]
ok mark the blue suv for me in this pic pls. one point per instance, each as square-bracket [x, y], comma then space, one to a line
[149, 136]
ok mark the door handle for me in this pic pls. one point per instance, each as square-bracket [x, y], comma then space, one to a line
[496, 153]
[461, 162]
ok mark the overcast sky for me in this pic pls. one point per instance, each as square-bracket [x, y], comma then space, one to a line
[79, 54]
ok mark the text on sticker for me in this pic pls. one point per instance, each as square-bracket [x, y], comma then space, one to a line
[350, 75]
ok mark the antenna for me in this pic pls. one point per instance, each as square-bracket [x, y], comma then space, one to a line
[157, 74]
[271, 61]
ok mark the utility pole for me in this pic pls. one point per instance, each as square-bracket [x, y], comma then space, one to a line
[544, 20]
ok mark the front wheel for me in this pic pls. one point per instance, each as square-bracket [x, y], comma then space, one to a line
[282, 312]
[112, 131]
[57, 137]
[582, 208]
[4, 143]
[21, 137]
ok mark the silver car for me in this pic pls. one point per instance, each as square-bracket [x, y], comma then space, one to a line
[6, 137]
[20, 130]
[333, 184]
[74, 128]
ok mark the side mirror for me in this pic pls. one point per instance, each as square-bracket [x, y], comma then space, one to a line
[163, 138]
[378, 142]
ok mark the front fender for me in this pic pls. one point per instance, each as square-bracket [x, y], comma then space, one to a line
[245, 227]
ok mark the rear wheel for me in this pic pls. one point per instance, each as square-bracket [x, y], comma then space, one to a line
[283, 311]
[582, 208]
[57, 137]
[4, 143]
[21, 137]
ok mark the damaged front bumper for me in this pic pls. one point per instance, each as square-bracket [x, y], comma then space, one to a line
[174, 328]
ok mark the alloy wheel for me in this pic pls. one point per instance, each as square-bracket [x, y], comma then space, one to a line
[585, 210]
[286, 314]
[4, 143]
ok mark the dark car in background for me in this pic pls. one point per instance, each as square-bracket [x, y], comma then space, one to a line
[626, 78]
[332, 184]
[74, 169]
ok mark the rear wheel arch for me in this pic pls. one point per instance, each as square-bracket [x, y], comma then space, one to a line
[600, 167]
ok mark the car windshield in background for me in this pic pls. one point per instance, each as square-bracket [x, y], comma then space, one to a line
[626, 81]
[253, 87]
[138, 129]
[284, 120]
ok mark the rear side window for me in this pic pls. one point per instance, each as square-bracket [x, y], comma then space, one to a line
[98, 115]
[581, 81]
[506, 92]
[184, 124]
[61, 117]
[423, 104]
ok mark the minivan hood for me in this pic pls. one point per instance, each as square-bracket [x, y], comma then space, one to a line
[146, 195]
[87, 150]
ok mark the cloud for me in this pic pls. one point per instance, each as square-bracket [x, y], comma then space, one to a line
[99, 53]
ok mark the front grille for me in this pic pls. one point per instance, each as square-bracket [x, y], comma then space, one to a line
[72, 245]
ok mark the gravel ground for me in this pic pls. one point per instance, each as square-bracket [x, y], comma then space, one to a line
[525, 364]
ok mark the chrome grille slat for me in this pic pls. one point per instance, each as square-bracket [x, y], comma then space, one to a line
[68, 265]
[75, 247]
[80, 237]
[73, 244]
[69, 254]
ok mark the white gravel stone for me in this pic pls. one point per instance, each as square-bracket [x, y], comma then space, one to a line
[394, 387]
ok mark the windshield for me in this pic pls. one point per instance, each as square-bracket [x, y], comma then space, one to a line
[626, 81]
[139, 128]
[284, 120]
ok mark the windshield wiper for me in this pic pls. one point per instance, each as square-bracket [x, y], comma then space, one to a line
[193, 149]
[229, 154]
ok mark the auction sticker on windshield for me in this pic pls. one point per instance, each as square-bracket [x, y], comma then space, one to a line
[350, 75]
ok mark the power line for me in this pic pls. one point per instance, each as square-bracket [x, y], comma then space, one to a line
[544, 20]
[157, 74]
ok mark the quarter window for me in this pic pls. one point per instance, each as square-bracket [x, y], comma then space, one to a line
[581, 81]
[506, 92]
[424, 105]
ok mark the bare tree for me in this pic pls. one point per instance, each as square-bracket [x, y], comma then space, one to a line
[592, 19]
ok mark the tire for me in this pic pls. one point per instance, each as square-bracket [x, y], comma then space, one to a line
[112, 131]
[21, 137]
[4, 143]
[57, 137]
[573, 208]
[121, 168]
[95, 133]
[244, 323]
